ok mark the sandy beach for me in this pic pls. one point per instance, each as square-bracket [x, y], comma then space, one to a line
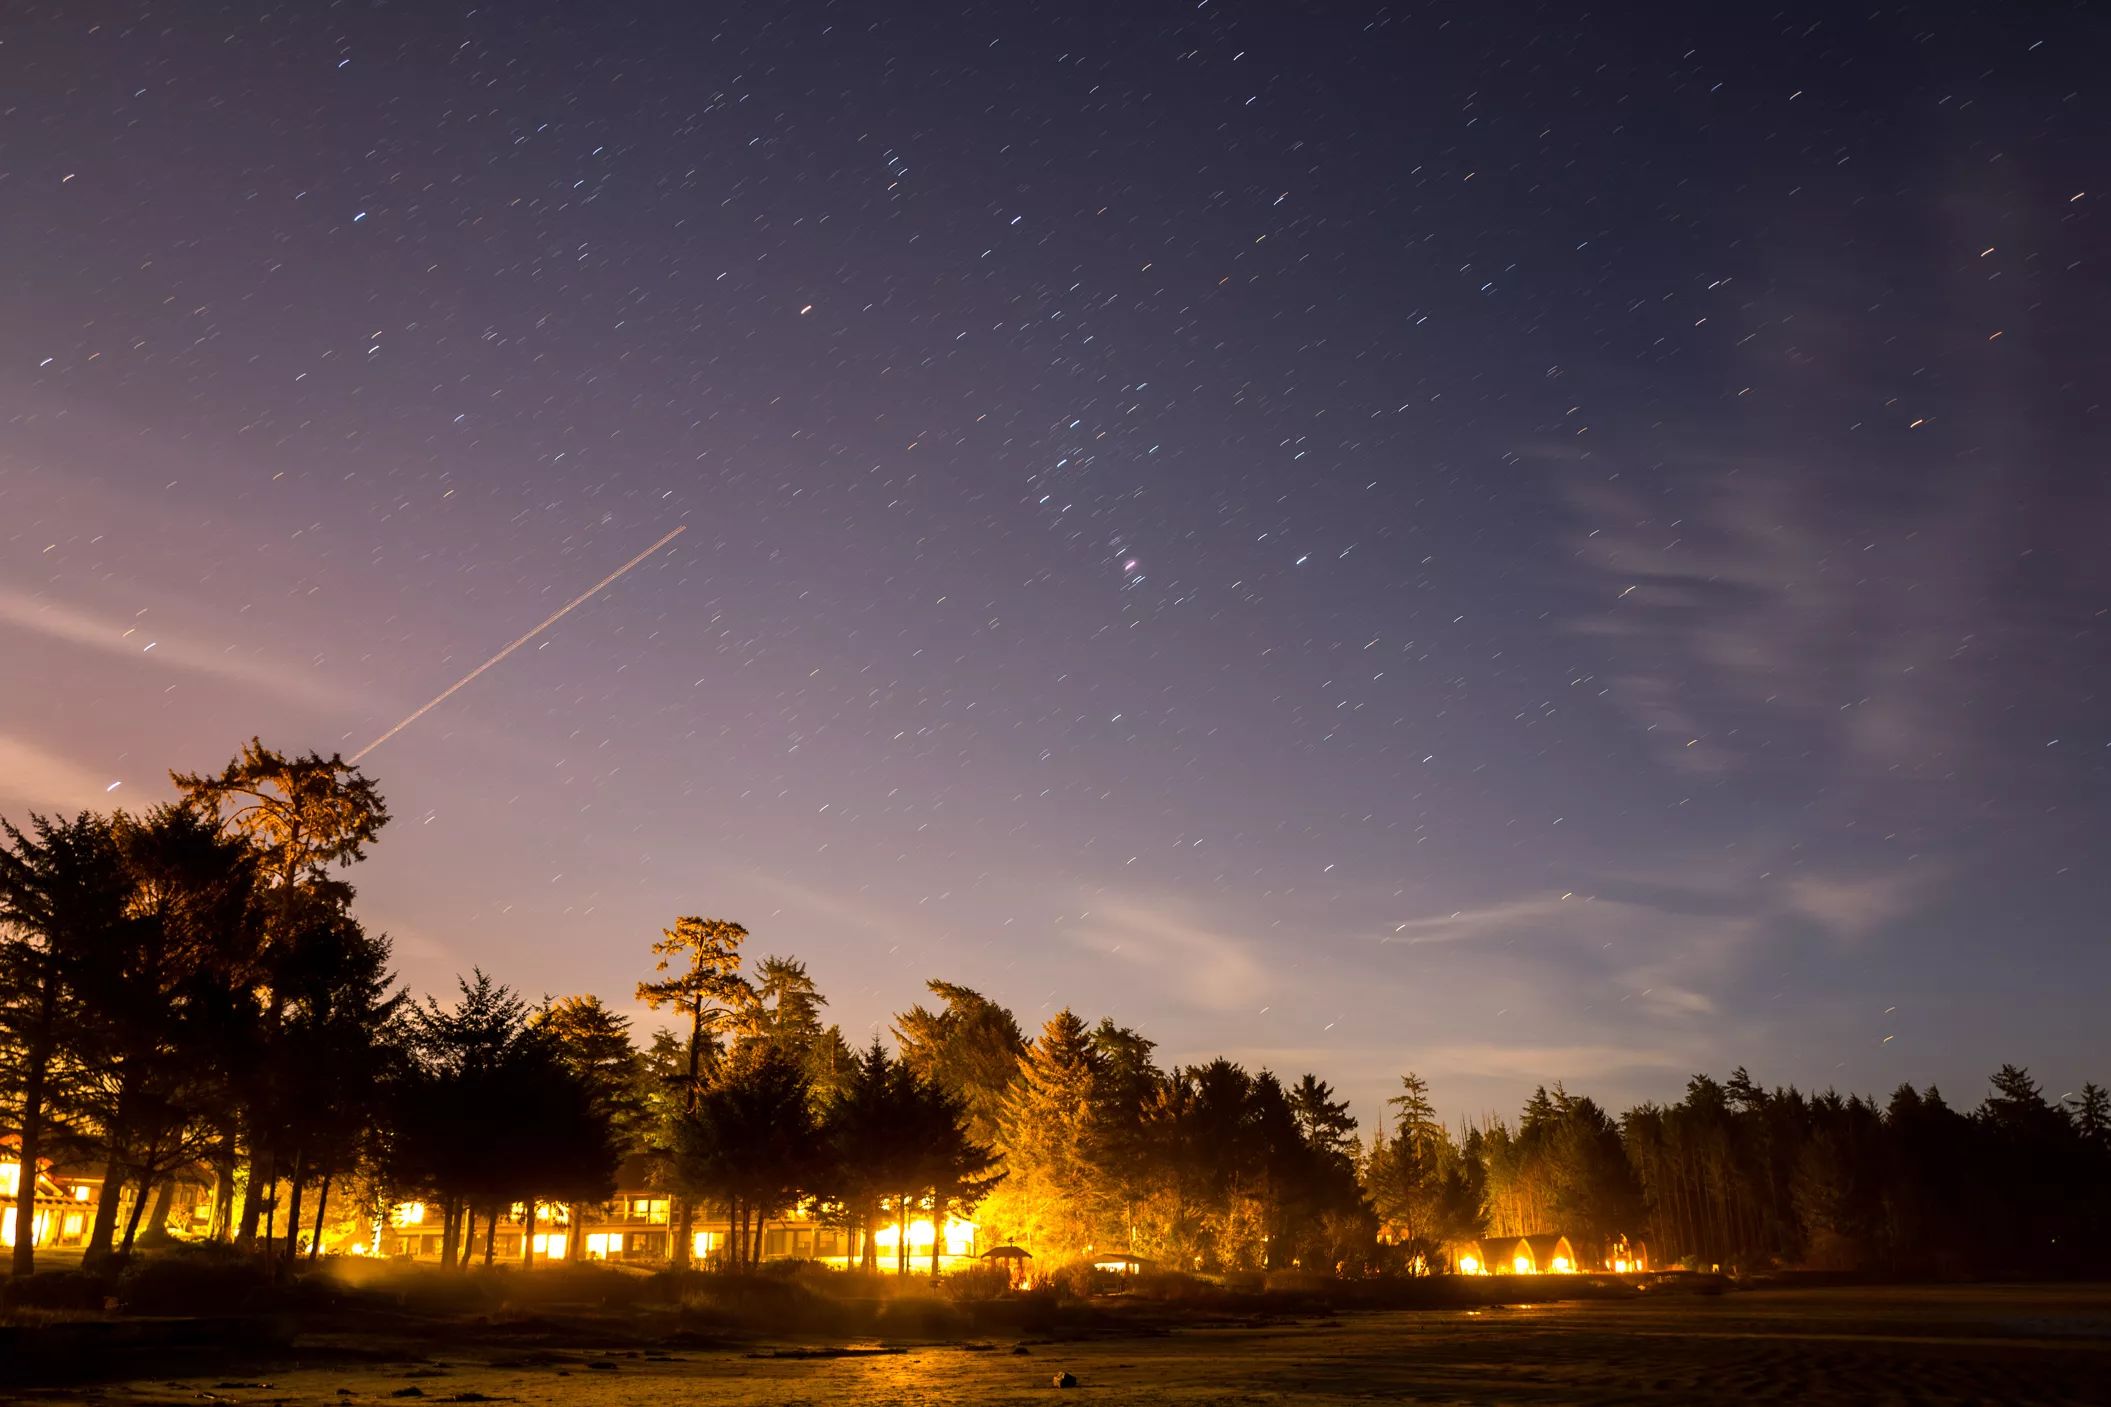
[1920, 1345]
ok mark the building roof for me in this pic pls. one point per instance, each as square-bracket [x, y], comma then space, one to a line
[1546, 1247]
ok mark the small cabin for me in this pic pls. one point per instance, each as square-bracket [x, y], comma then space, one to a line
[1515, 1255]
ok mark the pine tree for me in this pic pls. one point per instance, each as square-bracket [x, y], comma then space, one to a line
[1056, 1196]
[703, 955]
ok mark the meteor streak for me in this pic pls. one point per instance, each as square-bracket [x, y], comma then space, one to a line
[555, 616]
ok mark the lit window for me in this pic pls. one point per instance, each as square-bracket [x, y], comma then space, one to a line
[1522, 1265]
[10, 1179]
[600, 1245]
[1469, 1265]
[410, 1214]
[81, 1192]
[550, 1245]
[1561, 1265]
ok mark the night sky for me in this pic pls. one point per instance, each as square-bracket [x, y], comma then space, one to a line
[1504, 540]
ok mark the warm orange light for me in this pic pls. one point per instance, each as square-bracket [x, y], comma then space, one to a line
[410, 1214]
[1620, 1266]
[1561, 1265]
[1469, 1265]
[1522, 1265]
[960, 1236]
[10, 1179]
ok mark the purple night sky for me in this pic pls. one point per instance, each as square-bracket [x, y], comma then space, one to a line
[1505, 541]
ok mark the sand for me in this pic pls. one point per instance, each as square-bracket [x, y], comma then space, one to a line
[1842, 1345]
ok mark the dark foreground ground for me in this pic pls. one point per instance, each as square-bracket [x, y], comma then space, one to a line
[1842, 1345]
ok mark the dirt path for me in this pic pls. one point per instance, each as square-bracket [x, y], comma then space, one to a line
[2021, 1344]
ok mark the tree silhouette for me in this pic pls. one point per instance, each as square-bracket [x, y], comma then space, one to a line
[751, 1143]
[303, 816]
[62, 897]
[702, 956]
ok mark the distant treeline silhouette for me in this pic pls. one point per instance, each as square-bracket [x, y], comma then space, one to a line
[187, 993]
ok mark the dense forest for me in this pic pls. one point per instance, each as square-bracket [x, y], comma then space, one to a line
[190, 988]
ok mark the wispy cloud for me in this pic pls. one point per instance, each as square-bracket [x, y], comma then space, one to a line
[1207, 966]
[1549, 1064]
[1851, 906]
[38, 778]
[1758, 619]
[150, 640]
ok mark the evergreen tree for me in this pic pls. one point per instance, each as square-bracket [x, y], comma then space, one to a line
[702, 956]
[1055, 1199]
[63, 897]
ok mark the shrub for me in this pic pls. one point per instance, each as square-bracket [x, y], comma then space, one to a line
[56, 1289]
[188, 1279]
[919, 1317]
[983, 1282]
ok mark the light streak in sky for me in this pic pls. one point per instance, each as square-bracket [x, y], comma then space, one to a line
[555, 616]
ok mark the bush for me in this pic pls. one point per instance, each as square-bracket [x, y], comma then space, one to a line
[764, 1304]
[191, 1279]
[56, 1289]
[1174, 1287]
[983, 1282]
[919, 1317]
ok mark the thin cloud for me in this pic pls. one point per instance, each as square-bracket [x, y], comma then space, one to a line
[42, 780]
[1548, 1064]
[1208, 967]
[148, 640]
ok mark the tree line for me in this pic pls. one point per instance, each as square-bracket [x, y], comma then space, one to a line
[190, 988]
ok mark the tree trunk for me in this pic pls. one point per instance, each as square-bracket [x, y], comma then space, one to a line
[869, 1258]
[104, 1231]
[527, 1237]
[139, 1211]
[901, 1236]
[575, 1239]
[260, 1176]
[322, 1204]
[223, 1226]
[156, 1230]
[684, 1234]
[938, 1228]
[450, 1231]
[468, 1247]
[32, 1146]
[490, 1236]
[293, 1207]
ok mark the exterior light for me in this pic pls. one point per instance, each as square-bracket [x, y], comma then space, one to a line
[1522, 1265]
[1561, 1265]
[1469, 1265]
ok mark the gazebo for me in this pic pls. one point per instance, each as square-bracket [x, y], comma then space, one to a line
[1012, 1258]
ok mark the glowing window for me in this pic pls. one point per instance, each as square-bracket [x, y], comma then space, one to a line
[1469, 1265]
[10, 1179]
[1522, 1265]
[1561, 1265]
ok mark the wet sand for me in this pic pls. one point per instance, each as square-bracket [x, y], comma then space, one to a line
[1844, 1345]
